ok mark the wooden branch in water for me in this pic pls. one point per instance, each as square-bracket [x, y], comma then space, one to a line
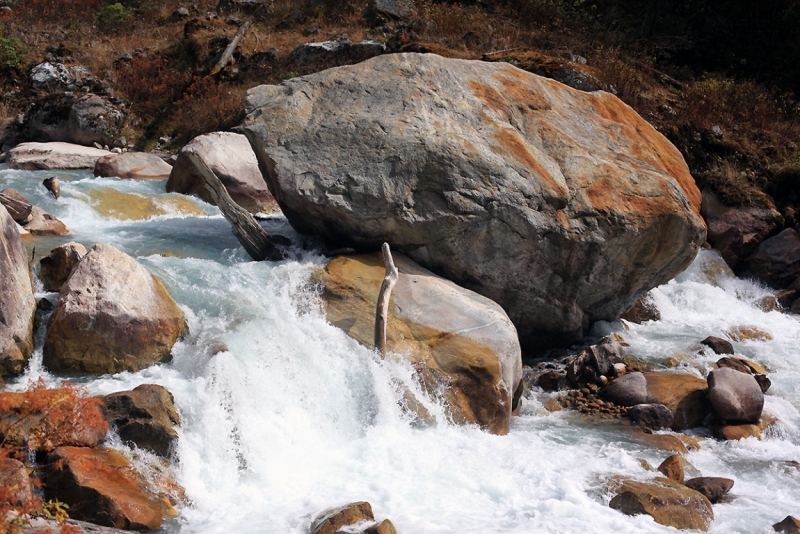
[382, 308]
[254, 239]
[226, 56]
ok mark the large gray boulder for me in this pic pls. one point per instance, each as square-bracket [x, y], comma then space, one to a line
[57, 155]
[559, 205]
[112, 316]
[83, 120]
[231, 158]
[17, 305]
[734, 396]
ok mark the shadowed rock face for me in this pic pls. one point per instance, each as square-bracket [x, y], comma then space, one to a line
[559, 205]
[17, 305]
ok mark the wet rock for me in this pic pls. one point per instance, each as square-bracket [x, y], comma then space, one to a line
[714, 488]
[763, 382]
[777, 259]
[742, 431]
[735, 397]
[15, 480]
[100, 486]
[667, 502]
[42, 223]
[676, 468]
[768, 304]
[70, 118]
[384, 527]
[628, 390]
[549, 381]
[737, 232]
[596, 364]
[683, 394]
[664, 442]
[49, 156]
[53, 185]
[18, 305]
[112, 316]
[718, 345]
[367, 169]
[735, 364]
[462, 345]
[56, 268]
[145, 416]
[644, 310]
[229, 155]
[789, 525]
[137, 165]
[331, 521]
[651, 416]
[748, 333]
[17, 205]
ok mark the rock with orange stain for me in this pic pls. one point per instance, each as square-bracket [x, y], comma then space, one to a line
[101, 487]
[562, 206]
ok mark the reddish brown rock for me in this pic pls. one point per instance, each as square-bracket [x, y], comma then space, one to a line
[777, 259]
[676, 468]
[17, 205]
[451, 336]
[644, 310]
[112, 316]
[714, 488]
[735, 397]
[100, 486]
[465, 158]
[331, 521]
[667, 502]
[718, 345]
[42, 223]
[789, 525]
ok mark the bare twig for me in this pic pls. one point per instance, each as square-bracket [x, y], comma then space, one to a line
[382, 308]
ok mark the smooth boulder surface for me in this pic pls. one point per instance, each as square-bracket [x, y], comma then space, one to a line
[561, 206]
[41, 222]
[667, 502]
[55, 268]
[100, 486]
[684, 395]
[735, 397]
[145, 416]
[49, 156]
[17, 304]
[112, 316]
[718, 345]
[232, 159]
[451, 335]
[137, 165]
[651, 416]
[331, 521]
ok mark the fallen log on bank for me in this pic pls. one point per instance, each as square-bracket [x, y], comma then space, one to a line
[255, 240]
[226, 56]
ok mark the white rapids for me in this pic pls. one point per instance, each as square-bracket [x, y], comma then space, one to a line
[295, 417]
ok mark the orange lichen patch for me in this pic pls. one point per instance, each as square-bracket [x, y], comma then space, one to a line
[130, 206]
[523, 93]
[489, 96]
[514, 145]
[654, 148]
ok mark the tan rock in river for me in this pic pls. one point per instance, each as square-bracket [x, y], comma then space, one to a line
[112, 316]
[452, 336]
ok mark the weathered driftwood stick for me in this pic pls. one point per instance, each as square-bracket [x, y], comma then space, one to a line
[253, 238]
[226, 56]
[382, 309]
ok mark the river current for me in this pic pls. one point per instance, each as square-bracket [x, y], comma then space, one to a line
[291, 416]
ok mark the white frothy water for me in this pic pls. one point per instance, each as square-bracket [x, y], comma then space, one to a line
[292, 416]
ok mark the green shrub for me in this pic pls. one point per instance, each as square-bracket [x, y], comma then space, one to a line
[114, 17]
[12, 52]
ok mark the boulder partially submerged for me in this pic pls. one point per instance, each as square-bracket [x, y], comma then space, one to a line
[561, 206]
[138, 165]
[452, 336]
[230, 157]
[17, 305]
[145, 416]
[112, 316]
